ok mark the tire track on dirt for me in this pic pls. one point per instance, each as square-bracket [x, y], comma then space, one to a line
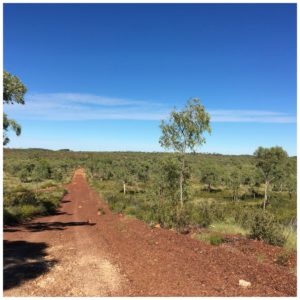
[81, 267]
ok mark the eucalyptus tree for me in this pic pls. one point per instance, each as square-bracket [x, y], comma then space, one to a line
[13, 92]
[126, 173]
[184, 132]
[233, 181]
[290, 180]
[210, 176]
[270, 162]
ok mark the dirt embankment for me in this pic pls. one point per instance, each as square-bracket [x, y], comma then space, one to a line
[78, 252]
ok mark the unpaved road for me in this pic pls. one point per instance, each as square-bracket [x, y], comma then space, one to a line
[80, 253]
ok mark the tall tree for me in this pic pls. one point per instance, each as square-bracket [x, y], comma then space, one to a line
[210, 175]
[234, 181]
[184, 132]
[270, 162]
[13, 92]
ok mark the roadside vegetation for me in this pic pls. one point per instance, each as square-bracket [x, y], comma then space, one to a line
[33, 183]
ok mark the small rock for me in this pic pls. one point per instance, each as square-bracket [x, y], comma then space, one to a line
[157, 226]
[79, 206]
[244, 283]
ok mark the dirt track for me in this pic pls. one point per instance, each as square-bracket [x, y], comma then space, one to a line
[80, 253]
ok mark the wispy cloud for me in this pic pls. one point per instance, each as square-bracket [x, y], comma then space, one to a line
[76, 106]
[251, 116]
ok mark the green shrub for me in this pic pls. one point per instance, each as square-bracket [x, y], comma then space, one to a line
[243, 216]
[182, 219]
[264, 227]
[131, 210]
[19, 196]
[210, 238]
[48, 184]
[202, 215]
[21, 213]
[216, 240]
[22, 204]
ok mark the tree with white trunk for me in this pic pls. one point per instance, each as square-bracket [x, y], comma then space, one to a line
[184, 132]
[270, 162]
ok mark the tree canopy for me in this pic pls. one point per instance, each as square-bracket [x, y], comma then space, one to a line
[271, 162]
[13, 92]
[13, 89]
[185, 128]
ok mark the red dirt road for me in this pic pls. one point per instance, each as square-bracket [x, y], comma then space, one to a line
[80, 253]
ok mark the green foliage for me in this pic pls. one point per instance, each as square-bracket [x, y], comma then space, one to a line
[270, 161]
[13, 92]
[18, 196]
[184, 131]
[42, 171]
[210, 176]
[13, 89]
[264, 227]
[185, 128]
[210, 238]
[202, 214]
[9, 124]
[22, 201]
[216, 240]
[228, 228]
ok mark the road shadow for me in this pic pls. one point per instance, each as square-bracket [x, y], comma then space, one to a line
[66, 201]
[7, 229]
[23, 261]
[60, 213]
[43, 226]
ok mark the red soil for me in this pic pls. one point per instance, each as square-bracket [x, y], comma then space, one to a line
[78, 252]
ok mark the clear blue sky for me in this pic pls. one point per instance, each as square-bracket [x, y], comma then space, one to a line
[102, 76]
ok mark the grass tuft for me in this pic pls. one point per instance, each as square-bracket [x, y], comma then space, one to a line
[228, 228]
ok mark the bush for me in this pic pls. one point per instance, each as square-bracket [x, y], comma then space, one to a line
[19, 196]
[264, 227]
[182, 220]
[202, 214]
[243, 216]
[210, 238]
[22, 204]
[216, 240]
[17, 214]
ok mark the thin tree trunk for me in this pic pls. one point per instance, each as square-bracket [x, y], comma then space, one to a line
[181, 182]
[266, 194]
[181, 189]
[124, 187]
